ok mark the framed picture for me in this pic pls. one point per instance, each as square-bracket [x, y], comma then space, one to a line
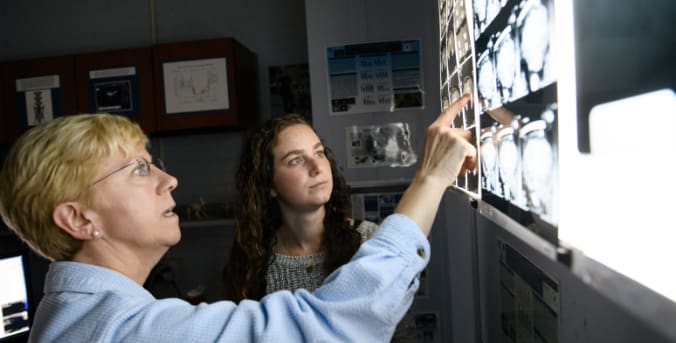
[117, 82]
[205, 83]
[37, 91]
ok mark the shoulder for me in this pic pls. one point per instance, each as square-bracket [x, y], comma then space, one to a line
[367, 229]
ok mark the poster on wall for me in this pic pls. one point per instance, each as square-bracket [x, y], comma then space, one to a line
[513, 112]
[375, 77]
[387, 145]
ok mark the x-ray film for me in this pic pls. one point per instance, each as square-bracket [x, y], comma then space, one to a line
[500, 51]
[457, 73]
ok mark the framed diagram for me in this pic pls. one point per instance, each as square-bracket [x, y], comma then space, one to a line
[204, 84]
[37, 91]
[117, 82]
[195, 86]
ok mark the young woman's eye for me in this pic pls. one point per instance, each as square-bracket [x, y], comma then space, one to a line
[295, 161]
[320, 153]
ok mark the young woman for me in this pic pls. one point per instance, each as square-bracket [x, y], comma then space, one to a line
[293, 225]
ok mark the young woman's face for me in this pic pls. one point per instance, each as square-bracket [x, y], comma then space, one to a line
[134, 205]
[302, 174]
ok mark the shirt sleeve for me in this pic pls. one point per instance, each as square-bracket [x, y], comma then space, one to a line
[361, 301]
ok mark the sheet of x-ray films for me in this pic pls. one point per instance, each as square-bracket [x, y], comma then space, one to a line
[517, 104]
[387, 145]
[458, 74]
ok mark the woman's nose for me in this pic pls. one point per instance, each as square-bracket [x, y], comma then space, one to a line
[167, 181]
[314, 166]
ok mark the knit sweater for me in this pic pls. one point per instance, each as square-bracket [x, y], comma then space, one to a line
[293, 272]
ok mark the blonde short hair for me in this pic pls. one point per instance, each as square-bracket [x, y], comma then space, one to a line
[54, 163]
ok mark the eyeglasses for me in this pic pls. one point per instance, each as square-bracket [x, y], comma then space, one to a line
[143, 168]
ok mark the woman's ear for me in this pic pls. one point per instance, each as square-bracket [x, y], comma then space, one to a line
[70, 217]
[273, 193]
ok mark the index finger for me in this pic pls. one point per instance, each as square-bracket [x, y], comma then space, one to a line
[446, 117]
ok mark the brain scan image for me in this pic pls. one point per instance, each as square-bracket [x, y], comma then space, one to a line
[508, 162]
[534, 30]
[479, 7]
[507, 61]
[537, 163]
[489, 155]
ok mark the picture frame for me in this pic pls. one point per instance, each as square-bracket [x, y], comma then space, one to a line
[37, 90]
[118, 82]
[207, 83]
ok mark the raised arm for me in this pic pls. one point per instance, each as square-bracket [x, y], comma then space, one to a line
[447, 153]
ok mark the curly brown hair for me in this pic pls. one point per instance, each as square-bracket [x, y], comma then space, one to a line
[258, 216]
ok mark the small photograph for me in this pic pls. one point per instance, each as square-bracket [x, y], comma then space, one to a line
[114, 96]
[387, 145]
[39, 107]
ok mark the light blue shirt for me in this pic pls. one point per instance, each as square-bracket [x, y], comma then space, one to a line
[361, 301]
